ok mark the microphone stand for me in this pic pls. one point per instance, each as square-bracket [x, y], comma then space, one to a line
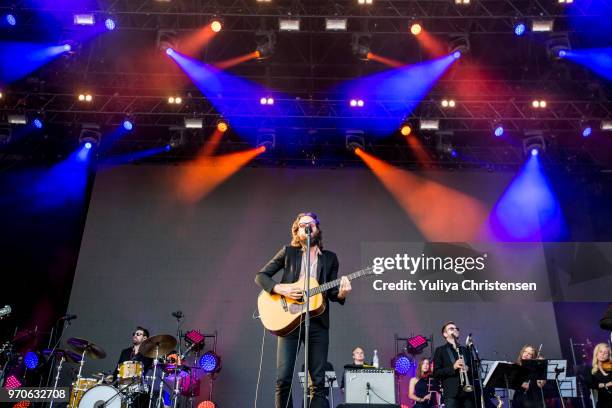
[474, 353]
[308, 231]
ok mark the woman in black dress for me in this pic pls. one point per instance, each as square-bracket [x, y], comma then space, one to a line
[418, 388]
[600, 379]
[530, 394]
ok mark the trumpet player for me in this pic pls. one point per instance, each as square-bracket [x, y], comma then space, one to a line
[451, 367]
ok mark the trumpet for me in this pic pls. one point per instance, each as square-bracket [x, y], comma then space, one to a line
[463, 376]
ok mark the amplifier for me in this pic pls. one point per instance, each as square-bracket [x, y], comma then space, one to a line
[379, 383]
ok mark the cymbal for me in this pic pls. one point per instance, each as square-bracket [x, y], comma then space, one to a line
[92, 350]
[69, 356]
[164, 343]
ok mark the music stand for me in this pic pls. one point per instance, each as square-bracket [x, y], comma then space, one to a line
[330, 381]
[538, 369]
[506, 375]
[556, 366]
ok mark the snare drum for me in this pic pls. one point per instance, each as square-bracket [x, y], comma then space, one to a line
[100, 395]
[130, 372]
[79, 388]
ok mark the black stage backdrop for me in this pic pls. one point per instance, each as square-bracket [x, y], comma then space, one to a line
[145, 254]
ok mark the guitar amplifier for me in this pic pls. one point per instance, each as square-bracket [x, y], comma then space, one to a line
[381, 382]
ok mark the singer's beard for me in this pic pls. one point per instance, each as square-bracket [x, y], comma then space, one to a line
[314, 239]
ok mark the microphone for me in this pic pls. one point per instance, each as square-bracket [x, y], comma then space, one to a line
[178, 314]
[308, 229]
[68, 317]
[468, 340]
[368, 385]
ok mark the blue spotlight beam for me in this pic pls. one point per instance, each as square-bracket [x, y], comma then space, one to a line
[127, 158]
[224, 89]
[528, 210]
[402, 89]
[598, 60]
[18, 59]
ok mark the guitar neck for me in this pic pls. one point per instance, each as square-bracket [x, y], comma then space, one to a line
[336, 282]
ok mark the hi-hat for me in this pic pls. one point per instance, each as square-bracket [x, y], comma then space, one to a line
[69, 356]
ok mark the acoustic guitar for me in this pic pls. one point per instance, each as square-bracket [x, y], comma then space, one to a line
[281, 315]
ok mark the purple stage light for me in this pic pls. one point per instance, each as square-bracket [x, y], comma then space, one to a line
[402, 364]
[210, 362]
[67, 47]
[169, 51]
[110, 24]
[535, 152]
[128, 125]
[88, 145]
[31, 360]
[457, 54]
[12, 382]
[519, 29]
[38, 124]
[586, 132]
[11, 20]
[499, 131]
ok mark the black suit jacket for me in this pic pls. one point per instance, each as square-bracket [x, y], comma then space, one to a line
[289, 259]
[444, 371]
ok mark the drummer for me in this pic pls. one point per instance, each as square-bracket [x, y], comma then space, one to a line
[132, 353]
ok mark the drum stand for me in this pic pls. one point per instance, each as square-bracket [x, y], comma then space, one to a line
[154, 373]
[160, 394]
[59, 370]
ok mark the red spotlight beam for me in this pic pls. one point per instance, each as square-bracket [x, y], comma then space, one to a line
[434, 47]
[212, 144]
[237, 60]
[383, 60]
[194, 42]
[440, 213]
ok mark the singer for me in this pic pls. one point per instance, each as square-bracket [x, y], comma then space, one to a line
[449, 362]
[324, 267]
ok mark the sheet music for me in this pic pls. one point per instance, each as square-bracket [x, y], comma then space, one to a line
[552, 364]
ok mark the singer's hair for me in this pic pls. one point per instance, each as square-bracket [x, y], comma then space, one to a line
[596, 350]
[357, 347]
[446, 324]
[145, 331]
[519, 358]
[419, 373]
[317, 238]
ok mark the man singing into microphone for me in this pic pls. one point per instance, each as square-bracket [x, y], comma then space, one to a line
[323, 267]
[448, 366]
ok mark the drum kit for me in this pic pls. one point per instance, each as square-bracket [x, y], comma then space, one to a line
[102, 390]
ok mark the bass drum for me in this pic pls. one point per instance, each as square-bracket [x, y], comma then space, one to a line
[102, 396]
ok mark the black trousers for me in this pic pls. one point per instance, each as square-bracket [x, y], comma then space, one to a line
[462, 400]
[287, 348]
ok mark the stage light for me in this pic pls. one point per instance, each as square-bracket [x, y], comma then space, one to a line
[11, 20]
[85, 98]
[462, 2]
[38, 123]
[538, 104]
[535, 151]
[110, 24]
[90, 135]
[270, 101]
[266, 139]
[405, 130]
[562, 53]
[453, 152]
[207, 404]
[354, 139]
[17, 119]
[519, 29]
[12, 382]
[401, 364]
[264, 1]
[169, 51]
[222, 126]
[67, 47]
[336, 24]
[31, 360]
[210, 362]
[175, 100]
[534, 143]
[429, 124]
[167, 147]
[541, 26]
[587, 131]
[606, 125]
[1, 95]
[288, 24]
[565, 1]
[266, 42]
[448, 103]
[266, 101]
[416, 29]
[84, 19]
[498, 131]
[216, 26]
[167, 41]
[194, 123]
[356, 103]
[128, 125]
[364, 2]
[416, 344]
[458, 43]
[360, 45]
[88, 145]
[557, 45]
[195, 338]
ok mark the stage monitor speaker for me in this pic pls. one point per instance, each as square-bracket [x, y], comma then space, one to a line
[369, 385]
